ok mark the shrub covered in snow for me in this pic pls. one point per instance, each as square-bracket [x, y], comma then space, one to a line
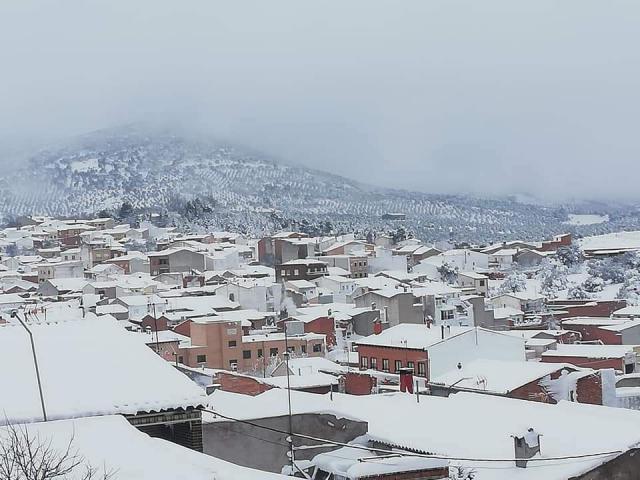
[578, 293]
[515, 282]
[570, 256]
[593, 284]
[553, 278]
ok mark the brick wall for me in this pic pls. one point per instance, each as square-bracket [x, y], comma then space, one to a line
[589, 389]
[593, 332]
[359, 383]
[533, 391]
[430, 474]
[323, 325]
[595, 363]
[602, 308]
[241, 384]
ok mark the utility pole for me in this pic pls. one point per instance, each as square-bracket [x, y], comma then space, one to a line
[286, 358]
[14, 314]
[155, 322]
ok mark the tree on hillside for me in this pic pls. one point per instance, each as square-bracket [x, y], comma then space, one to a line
[125, 211]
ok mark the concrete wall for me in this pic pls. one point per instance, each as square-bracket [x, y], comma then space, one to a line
[623, 467]
[255, 447]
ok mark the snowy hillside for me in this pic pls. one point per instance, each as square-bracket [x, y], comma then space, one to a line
[161, 172]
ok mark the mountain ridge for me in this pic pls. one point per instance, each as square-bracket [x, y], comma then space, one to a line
[160, 171]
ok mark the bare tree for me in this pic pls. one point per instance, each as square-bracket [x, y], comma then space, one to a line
[24, 456]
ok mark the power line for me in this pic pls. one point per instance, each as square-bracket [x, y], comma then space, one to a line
[415, 454]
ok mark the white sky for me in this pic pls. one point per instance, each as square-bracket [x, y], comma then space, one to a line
[489, 97]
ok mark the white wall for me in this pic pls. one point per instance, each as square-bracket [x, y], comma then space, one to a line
[474, 344]
[385, 260]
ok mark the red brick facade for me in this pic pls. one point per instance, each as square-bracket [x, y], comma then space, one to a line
[359, 383]
[595, 363]
[594, 332]
[592, 308]
[241, 384]
[395, 358]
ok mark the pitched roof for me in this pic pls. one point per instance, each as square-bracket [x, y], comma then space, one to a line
[88, 367]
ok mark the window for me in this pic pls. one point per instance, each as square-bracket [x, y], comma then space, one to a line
[246, 354]
[410, 365]
[482, 283]
[317, 347]
[231, 331]
[233, 365]
[364, 362]
[295, 272]
[232, 343]
[283, 273]
[303, 348]
[446, 315]
[180, 359]
[260, 353]
[385, 364]
[422, 371]
[273, 352]
[163, 261]
[291, 349]
[374, 363]
[201, 359]
[398, 365]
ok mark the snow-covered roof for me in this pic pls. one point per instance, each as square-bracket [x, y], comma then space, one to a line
[631, 310]
[474, 275]
[301, 284]
[398, 419]
[88, 367]
[305, 261]
[622, 326]
[506, 312]
[11, 298]
[596, 321]
[407, 335]
[302, 381]
[68, 284]
[111, 308]
[350, 462]
[610, 241]
[497, 376]
[589, 351]
[278, 336]
[110, 442]
[310, 365]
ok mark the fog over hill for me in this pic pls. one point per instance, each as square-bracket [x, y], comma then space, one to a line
[211, 184]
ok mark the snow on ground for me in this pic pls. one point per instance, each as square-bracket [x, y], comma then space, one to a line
[590, 219]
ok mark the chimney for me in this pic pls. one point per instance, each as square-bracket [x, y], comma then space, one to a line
[526, 447]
